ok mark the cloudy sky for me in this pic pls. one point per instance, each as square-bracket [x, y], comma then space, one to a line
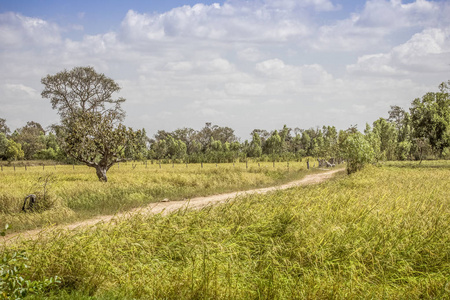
[243, 64]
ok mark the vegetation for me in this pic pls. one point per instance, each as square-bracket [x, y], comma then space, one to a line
[69, 193]
[381, 233]
[89, 130]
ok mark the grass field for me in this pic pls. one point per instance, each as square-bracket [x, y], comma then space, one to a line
[382, 233]
[74, 193]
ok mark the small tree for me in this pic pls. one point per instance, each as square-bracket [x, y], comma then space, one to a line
[358, 152]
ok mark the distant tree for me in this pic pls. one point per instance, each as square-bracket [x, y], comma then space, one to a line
[386, 132]
[31, 138]
[3, 128]
[91, 131]
[274, 145]
[358, 152]
[255, 149]
[430, 118]
[14, 151]
[3, 146]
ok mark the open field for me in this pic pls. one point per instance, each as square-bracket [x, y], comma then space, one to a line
[381, 233]
[74, 193]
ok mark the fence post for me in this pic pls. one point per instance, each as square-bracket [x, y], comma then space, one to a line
[43, 166]
[288, 166]
[25, 167]
[246, 164]
[160, 164]
[202, 165]
[274, 164]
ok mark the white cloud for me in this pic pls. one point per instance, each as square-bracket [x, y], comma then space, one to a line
[426, 52]
[378, 22]
[17, 31]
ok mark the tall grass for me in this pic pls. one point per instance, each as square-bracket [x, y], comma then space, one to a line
[378, 234]
[74, 192]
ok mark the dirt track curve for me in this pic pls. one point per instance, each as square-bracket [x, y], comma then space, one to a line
[170, 206]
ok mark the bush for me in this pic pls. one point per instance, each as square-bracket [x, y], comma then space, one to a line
[358, 152]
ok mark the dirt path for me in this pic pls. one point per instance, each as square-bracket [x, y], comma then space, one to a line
[168, 207]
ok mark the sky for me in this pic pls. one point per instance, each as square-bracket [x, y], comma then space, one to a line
[245, 64]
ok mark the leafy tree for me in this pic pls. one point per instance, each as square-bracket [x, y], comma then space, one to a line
[97, 141]
[31, 138]
[14, 151]
[255, 149]
[358, 152]
[430, 118]
[91, 130]
[3, 128]
[274, 144]
[3, 146]
[387, 135]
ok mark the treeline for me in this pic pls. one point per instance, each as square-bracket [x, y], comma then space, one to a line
[422, 132]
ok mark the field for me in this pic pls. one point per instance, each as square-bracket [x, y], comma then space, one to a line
[74, 193]
[382, 233]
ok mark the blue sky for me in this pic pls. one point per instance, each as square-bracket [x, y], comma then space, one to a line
[243, 64]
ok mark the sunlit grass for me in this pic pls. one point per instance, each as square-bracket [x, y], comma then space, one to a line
[378, 234]
[74, 192]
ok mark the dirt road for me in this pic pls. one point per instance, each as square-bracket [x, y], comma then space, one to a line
[170, 206]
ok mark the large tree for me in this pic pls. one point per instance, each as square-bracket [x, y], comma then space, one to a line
[91, 131]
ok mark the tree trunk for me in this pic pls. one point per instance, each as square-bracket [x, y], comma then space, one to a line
[101, 173]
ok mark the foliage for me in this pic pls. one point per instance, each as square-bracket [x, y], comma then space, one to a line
[89, 116]
[13, 267]
[3, 127]
[430, 118]
[14, 151]
[95, 139]
[358, 152]
[82, 90]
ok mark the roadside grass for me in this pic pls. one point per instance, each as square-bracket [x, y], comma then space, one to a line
[74, 193]
[382, 233]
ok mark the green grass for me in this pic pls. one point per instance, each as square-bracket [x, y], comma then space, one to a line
[382, 233]
[74, 193]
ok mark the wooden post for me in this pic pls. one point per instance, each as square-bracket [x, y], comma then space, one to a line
[25, 167]
[202, 165]
[288, 166]
[246, 164]
[307, 164]
[160, 164]
[43, 166]
[14, 168]
[274, 164]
